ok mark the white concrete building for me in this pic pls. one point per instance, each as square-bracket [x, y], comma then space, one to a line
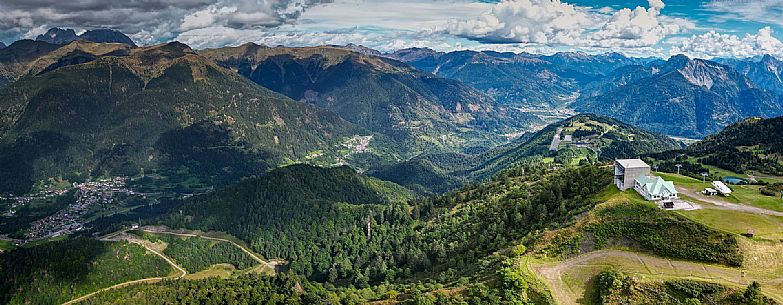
[626, 170]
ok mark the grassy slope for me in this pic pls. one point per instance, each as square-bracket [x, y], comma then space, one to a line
[762, 259]
[197, 254]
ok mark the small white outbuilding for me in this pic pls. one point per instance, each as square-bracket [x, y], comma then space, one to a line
[721, 188]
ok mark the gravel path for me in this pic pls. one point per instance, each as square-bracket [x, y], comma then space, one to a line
[727, 205]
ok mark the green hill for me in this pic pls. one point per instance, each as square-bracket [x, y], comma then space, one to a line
[593, 138]
[421, 112]
[318, 218]
[753, 144]
[164, 109]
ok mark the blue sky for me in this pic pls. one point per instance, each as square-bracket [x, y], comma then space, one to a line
[714, 28]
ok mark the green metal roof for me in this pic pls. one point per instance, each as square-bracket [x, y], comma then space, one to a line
[656, 185]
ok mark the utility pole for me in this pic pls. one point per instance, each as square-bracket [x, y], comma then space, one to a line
[678, 168]
[704, 177]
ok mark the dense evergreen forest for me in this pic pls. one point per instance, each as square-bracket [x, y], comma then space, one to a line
[55, 272]
[751, 145]
[336, 226]
[291, 290]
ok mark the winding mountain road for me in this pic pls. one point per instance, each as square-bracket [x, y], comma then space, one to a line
[247, 251]
[653, 266]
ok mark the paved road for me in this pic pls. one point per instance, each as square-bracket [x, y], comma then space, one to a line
[727, 205]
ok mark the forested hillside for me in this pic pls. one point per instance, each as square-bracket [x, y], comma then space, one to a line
[592, 138]
[339, 227]
[161, 108]
[420, 111]
[750, 145]
[55, 272]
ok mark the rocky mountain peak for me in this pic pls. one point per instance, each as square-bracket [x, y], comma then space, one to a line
[58, 36]
[107, 35]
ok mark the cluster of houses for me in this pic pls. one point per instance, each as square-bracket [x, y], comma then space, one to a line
[70, 219]
[635, 173]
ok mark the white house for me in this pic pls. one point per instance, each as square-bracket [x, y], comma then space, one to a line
[654, 188]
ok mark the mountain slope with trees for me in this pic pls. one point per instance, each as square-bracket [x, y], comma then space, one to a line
[754, 144]
[162, 108]
[423, 112]
[684, 97]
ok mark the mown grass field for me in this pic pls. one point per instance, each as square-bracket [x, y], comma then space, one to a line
[741, 194]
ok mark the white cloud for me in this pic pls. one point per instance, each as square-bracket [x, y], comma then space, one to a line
[762, 11]
[559, 23]
[527, 21]
[639, 27]
[714, 44]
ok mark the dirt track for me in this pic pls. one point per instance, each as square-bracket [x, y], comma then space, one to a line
[727, 205]
[641, 264]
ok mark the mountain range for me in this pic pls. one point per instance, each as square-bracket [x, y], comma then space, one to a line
[410, 110]
[424, 113]
[517, 79]
[88, 109]
[681, 96]
[65, 36]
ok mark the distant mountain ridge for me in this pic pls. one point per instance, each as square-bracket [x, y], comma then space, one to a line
[681, 96]
[423, 111]
[65, 36]
[766, 71]
[518, 79]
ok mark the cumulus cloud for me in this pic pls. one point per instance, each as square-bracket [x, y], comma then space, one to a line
[714, 44]
[556, 22]
[639, 27]
[534, 21]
